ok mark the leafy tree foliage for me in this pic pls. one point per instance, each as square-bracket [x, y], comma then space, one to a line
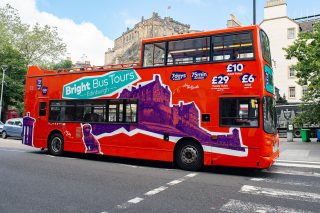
[63, 64]
[22, 45]
[38, 44]
[14, 80]
[306, 49]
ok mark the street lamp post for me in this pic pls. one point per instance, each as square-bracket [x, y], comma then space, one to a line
[4, 68]
[254, 12]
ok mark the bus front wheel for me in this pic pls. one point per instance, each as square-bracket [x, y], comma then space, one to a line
[189, 156]
[55, 145]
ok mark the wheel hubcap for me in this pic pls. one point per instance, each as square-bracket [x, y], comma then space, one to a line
[189, 155]
[56, 144]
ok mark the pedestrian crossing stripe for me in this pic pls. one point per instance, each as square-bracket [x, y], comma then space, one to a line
[235, 206]
[278, 193]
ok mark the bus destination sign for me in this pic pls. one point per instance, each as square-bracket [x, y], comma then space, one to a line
[97, 86]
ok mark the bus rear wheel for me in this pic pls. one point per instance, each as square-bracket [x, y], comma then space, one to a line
[189, 156]
[56, 144]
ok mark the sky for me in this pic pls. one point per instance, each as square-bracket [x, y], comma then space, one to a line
[88, 27]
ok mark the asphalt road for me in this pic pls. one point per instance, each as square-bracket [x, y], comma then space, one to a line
[33, 181]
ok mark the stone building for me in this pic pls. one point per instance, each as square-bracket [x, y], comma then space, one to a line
[282, 32]
[127, 46]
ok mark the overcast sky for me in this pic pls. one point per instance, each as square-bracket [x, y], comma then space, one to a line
[89, 27]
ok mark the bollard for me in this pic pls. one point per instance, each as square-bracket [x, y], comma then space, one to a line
[290, 133]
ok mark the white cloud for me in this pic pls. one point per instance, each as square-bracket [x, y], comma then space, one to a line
[81, 39]
[128, 20]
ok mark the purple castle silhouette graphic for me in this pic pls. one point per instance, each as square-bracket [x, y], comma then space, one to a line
[27, 129]
[156, 115]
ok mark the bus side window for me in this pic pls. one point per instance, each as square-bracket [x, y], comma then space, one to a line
[235, 46]
[42, 109]
[239, 112]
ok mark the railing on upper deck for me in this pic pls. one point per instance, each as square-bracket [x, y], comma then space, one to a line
[109, 67]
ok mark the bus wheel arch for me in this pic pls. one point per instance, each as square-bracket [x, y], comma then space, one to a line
[188, 154]
[55, 143]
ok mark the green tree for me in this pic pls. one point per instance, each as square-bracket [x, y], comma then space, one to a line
[22, 45]
[306, 49]
[39, 45]
[63, 64]
[13, 91]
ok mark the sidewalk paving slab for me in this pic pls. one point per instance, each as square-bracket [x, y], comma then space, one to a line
[300, 151]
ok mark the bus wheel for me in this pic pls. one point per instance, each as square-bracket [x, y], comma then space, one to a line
[55, 145]
[189, 156]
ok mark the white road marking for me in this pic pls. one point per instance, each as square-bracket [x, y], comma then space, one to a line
[278, 193]
[292, 172]
[248, 207]
[286, 182]
[135, 200]
[12, 150]
[156, 191]
[191, 175]
[296, 161]
[297, 165]
[174, 182]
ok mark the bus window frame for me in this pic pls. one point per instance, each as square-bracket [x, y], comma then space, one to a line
[262, 48]
[234, 33]
[239, 126]
[274, 116]
[252, 32]
[106, 102]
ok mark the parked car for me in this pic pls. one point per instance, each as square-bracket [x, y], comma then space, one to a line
[12, 127]
[1, 126]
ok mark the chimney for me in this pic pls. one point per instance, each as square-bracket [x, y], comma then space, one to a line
[233, 22]
[275, 9]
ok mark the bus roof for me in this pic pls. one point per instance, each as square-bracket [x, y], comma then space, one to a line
[199, 34]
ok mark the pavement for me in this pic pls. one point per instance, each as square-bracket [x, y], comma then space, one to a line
[299, 151]
[33, 181]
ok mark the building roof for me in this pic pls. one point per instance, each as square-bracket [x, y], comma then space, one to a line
[306, 23]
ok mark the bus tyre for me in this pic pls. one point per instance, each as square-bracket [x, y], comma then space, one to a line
[55, 145]
[4, 135]
[189, 156]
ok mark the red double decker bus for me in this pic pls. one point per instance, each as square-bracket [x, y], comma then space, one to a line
[204, 98]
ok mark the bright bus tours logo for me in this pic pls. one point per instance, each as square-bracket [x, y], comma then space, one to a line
[98, 86]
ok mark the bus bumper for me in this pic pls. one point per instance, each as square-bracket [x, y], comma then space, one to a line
[267, 162]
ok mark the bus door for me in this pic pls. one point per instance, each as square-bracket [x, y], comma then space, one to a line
[42, 119]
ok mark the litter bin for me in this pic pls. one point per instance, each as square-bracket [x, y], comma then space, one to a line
[305, 135]
[318, 135]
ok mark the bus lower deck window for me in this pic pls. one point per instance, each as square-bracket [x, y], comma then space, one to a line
[239, 112]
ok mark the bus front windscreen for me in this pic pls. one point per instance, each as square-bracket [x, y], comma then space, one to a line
[269, 115]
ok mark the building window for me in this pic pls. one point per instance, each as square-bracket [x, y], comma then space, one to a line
[291, 33]
[304, 90]
[292, 92]
[292, 72]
